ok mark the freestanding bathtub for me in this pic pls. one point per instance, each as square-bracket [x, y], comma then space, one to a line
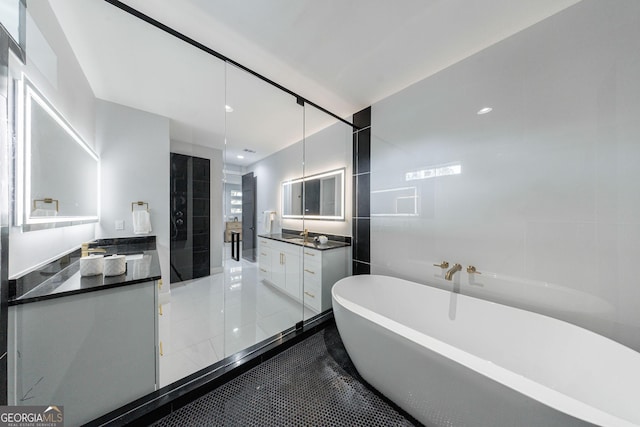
[453, 360]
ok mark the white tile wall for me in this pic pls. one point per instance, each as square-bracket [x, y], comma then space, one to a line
[547, 204]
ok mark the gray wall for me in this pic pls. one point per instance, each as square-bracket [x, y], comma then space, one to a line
[133, 146]
[546, 205]
[326, 150]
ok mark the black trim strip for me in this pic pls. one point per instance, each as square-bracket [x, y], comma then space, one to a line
[196, 44]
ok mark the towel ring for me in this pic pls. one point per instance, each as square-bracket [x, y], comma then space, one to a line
[139, 204]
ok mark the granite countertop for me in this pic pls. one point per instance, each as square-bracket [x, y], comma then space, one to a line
[285, 237]
[141, 267]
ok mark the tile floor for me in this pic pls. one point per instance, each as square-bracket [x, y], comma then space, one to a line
[313, 383]
[207, 319]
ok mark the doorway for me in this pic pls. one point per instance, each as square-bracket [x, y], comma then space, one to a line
[249, 237]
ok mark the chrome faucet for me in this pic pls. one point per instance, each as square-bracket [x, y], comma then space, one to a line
[456, 267]
[305, 234]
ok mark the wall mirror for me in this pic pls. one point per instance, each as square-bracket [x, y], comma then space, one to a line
[318, 197]
[61, 172]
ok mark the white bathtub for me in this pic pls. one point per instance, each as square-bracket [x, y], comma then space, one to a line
[453, 360]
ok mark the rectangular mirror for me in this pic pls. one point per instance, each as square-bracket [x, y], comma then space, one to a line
[61, 172]
[318, 196]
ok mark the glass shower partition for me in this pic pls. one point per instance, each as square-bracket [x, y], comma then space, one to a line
[263, 149]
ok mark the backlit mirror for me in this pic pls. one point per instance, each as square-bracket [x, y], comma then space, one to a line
[318, 197]
[61, 171]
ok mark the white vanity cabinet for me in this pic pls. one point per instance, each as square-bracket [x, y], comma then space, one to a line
[321, 270]
[304, 273]
[91, 352]
[279, 263]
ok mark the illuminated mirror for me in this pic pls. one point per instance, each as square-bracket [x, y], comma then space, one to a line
[318, 197]
[61, 172]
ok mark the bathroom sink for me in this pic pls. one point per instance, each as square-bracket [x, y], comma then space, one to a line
[295, 239]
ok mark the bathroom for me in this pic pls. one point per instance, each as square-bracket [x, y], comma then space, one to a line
[536, 192]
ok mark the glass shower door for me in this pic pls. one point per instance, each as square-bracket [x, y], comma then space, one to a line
[264, 148]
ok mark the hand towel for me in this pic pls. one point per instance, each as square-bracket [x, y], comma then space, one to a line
[267, 222]
[44, 212]
[269, 216]
[141, 222]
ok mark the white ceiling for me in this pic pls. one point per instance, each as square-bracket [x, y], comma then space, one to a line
[341, 54]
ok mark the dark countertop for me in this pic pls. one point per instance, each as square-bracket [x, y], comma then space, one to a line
[282, 237]
[142, 267]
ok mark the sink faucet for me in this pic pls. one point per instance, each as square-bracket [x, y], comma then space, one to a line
[86, 250]
[305, 234]
[456, 267]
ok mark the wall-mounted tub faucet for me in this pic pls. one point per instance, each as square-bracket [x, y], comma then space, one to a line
[456, 267]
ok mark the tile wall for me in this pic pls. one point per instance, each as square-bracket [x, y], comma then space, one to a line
[541, 194]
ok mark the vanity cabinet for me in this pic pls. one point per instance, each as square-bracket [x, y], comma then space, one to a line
[304, 273]
[321, 270]
[91, 352]
[279, 263]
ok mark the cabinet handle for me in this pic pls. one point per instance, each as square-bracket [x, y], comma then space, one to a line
[263, 270]
[160, 284]
[310, 294]
[309, 271]
[160, 309]
[307, 253]
[161, 352]
[263, 254]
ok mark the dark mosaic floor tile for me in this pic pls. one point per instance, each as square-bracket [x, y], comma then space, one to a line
[313, 383]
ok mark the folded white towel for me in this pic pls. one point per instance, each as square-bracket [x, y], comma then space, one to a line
[141, 222]
[269, 217]
[44, 212]
[267, 222]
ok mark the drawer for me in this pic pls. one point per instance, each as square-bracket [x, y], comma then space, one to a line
[264, 273]
[313, 263]
[263, 242]
[312, 277]
[312, 296]
[312, 256]
[264, 253]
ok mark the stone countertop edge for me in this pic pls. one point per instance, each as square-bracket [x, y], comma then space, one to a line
[49, 288]
[282, 237]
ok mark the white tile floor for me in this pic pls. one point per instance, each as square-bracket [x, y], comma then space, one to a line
[210, 318]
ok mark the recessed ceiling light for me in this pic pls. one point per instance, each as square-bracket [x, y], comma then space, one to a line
[485, 110]
[228, 109]
[240, 157]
